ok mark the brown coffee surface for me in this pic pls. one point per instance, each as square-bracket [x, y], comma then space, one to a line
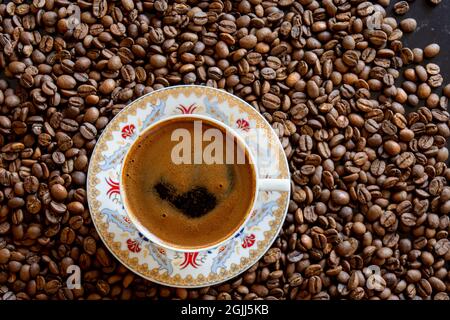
[149, 166]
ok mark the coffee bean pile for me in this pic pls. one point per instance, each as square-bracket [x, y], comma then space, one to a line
[369, 213]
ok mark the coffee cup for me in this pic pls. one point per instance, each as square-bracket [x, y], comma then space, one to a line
[163, 205]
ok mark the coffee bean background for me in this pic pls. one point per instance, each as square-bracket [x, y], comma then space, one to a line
[355, 96]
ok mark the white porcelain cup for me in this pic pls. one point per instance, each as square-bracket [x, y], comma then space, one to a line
[260, 184]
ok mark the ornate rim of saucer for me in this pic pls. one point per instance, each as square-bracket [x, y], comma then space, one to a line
[169, 267]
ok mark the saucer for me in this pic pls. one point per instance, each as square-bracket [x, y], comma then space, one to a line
[169, 267]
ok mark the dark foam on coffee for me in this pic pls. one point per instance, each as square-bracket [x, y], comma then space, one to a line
[193, 205]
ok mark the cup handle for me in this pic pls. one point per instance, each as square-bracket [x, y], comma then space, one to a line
[274, 184]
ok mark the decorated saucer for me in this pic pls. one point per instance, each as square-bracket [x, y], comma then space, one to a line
[169, 267]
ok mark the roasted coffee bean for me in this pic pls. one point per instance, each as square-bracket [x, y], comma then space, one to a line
[88, 131]
[66, 82]
[405, 160]
[446, 91]
[340, 197]
[114, 63]
[69, 125]
[401, 7]
[392, 148]
[67, 236]
[128, 73]
[89, 245]
[431, 50]
[248, 42]
[413, 276]
[5, 254]
[31, 184]
[408, 25]
[58, 192]
[106, 87]
[58, 157]
[271, 101]
[158, 61]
